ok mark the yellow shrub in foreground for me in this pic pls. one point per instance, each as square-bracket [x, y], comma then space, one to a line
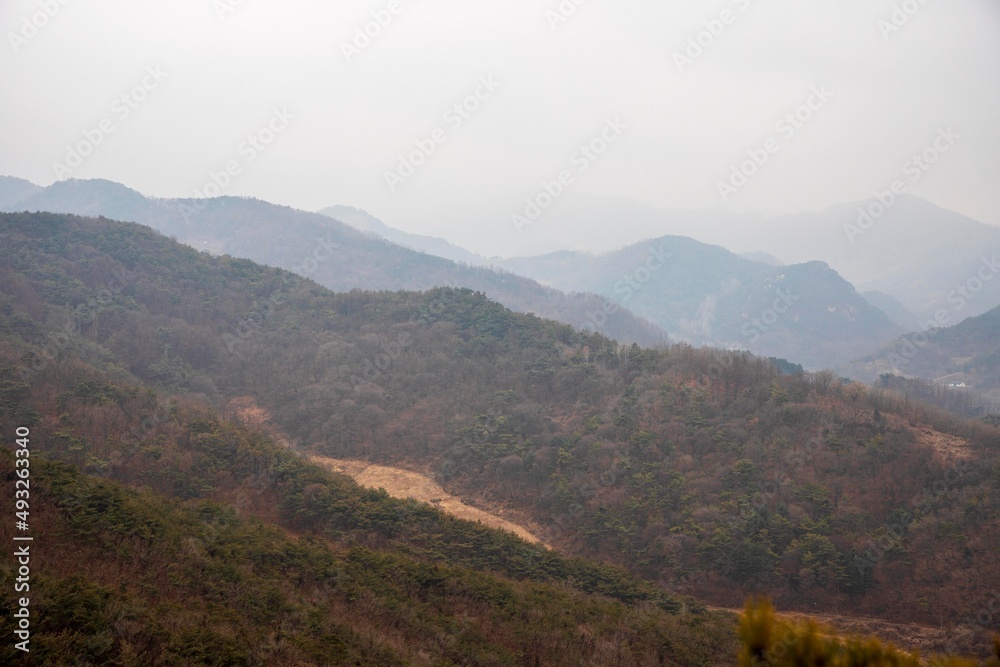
[769, 641]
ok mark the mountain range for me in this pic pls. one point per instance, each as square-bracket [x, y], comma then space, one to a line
[889, 243]
[708, 295]
[699, 293]
[333, 253]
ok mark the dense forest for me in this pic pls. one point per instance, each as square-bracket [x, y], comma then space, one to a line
[712, 474]
[171, 536]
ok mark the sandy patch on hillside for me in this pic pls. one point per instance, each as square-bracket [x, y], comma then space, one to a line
[400, 483]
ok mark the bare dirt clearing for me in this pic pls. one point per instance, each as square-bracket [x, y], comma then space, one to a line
[400, 483]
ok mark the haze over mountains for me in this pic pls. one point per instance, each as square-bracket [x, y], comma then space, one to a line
[662, 286]
[431, 245]
[898, 252]
[304, 305]
[334, 254]
[675, 286]
[708, 295]
[897, 260]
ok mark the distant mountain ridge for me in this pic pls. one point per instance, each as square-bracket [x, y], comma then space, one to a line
[966, 356]
[707, 295]
[910, 258]
[911, 249]
[14, 190]
[431, 245]
[915, 251]
[678, 286]
[334, 254]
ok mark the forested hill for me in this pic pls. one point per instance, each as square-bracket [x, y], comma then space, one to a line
[711, 473]
[964, 354]
[173, 535]
[330, 252]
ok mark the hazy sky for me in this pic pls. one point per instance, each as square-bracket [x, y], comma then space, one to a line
[339, 112]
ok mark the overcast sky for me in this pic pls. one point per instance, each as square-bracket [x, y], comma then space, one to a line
[675, 118]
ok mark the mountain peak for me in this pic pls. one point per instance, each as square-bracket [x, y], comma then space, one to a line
[13, 190]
